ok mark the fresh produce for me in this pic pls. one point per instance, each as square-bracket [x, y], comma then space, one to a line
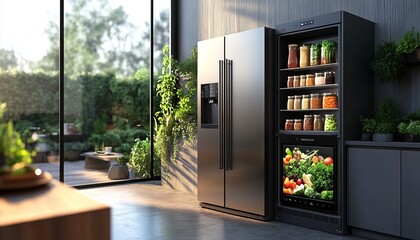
[307, 179]
[299, 190]
[328, 161]
[327, 195]
[308, 174]
[322, 176]
[330, 123]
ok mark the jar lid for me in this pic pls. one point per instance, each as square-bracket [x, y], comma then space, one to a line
[293, 45]
[302, 76]
[329, 94]
[329, 115]
[317, 116]
[296, 76]
[315, 95]
[307, 116]
[330, 72]
[290, 77]
[305, 96]
[290, 97]
[310, 75]
[298, 120]
[304, 46]
[290, 120]
[318, 74]
[298, 96]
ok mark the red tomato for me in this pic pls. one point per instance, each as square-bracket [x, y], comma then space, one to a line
[299, 181]
[328, 161]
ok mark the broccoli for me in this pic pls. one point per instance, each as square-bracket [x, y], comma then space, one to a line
[327, 194]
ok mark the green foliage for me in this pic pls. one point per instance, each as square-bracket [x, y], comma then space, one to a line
[387, 63]
[368, 125]
[385, 119]
[413, 128]
[176, 120]
[12, 148]
[8, 59]
[402, 127]
[139, 159]
[322, 176]
[409, 42]
[330, 48]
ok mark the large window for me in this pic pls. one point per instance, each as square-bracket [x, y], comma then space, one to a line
[106, 83]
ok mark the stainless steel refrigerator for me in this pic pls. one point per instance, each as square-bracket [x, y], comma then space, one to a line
[235, 123]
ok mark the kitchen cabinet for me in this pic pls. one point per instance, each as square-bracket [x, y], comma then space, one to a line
[410, 211]
[382, 180]
[374, 190]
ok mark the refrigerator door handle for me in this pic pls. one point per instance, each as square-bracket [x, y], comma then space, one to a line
[221, 114]
[228, 123]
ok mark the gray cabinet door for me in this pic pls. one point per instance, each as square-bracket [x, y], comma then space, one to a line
[410, 210]
[210, 177]
[374, 190]
[245, 183]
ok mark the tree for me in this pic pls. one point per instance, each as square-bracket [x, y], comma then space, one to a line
[8, 59]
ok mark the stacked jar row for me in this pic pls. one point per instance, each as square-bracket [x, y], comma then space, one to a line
[316, 79]
[312, 101]
[313, 55]
[312, 123]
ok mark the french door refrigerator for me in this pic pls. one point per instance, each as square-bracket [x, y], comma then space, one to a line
[235, 123]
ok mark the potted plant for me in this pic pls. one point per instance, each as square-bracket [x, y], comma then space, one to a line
[119, 170]
[15, 160]
[368, 128]
[410, 43]
[387, 63]
[385, 122]
[411, 130]
[328, 51]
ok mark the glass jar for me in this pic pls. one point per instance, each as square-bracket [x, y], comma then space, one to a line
[305, 101]
[319, 79]
[298, 102]
[292, 60]
[318, 123]
[329, 100]
[296, 81]
[290, 81]
[289, 125]
[308, 123]
[290, 102]
[315, 55]
[329, 77]
[297, 125]
[330, 123]
[316, 101]
[302, 80]
[304, 56]
[310, 80]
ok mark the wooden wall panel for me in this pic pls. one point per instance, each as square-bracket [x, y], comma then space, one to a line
[205, 19]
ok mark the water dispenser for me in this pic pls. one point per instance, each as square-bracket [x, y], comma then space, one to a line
[209, 105]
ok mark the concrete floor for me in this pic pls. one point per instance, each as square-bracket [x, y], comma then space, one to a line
[150, 211]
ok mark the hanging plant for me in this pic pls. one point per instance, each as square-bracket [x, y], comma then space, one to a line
[388, 63]
[177, 119]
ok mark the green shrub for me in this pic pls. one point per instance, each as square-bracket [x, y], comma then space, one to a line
[139, 159]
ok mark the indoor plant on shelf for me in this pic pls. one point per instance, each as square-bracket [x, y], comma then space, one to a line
[408, 44]
[385, 122]
[368, 128]
[411, 130]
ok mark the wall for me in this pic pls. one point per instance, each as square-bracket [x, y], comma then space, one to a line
[203, 19]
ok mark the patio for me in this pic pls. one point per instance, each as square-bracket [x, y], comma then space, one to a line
[75, 172]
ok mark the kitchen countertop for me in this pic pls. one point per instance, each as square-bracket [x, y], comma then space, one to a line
[408, 145]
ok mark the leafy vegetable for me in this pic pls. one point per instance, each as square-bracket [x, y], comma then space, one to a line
[327, 195]
[299, 190]
[322, 176]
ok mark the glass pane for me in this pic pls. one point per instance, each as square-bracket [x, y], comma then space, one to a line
[106, 90]
[29, 78]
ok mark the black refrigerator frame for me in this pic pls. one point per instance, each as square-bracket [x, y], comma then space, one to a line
[356, 41]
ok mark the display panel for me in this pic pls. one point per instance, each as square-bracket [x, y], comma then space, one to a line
[308, 176]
